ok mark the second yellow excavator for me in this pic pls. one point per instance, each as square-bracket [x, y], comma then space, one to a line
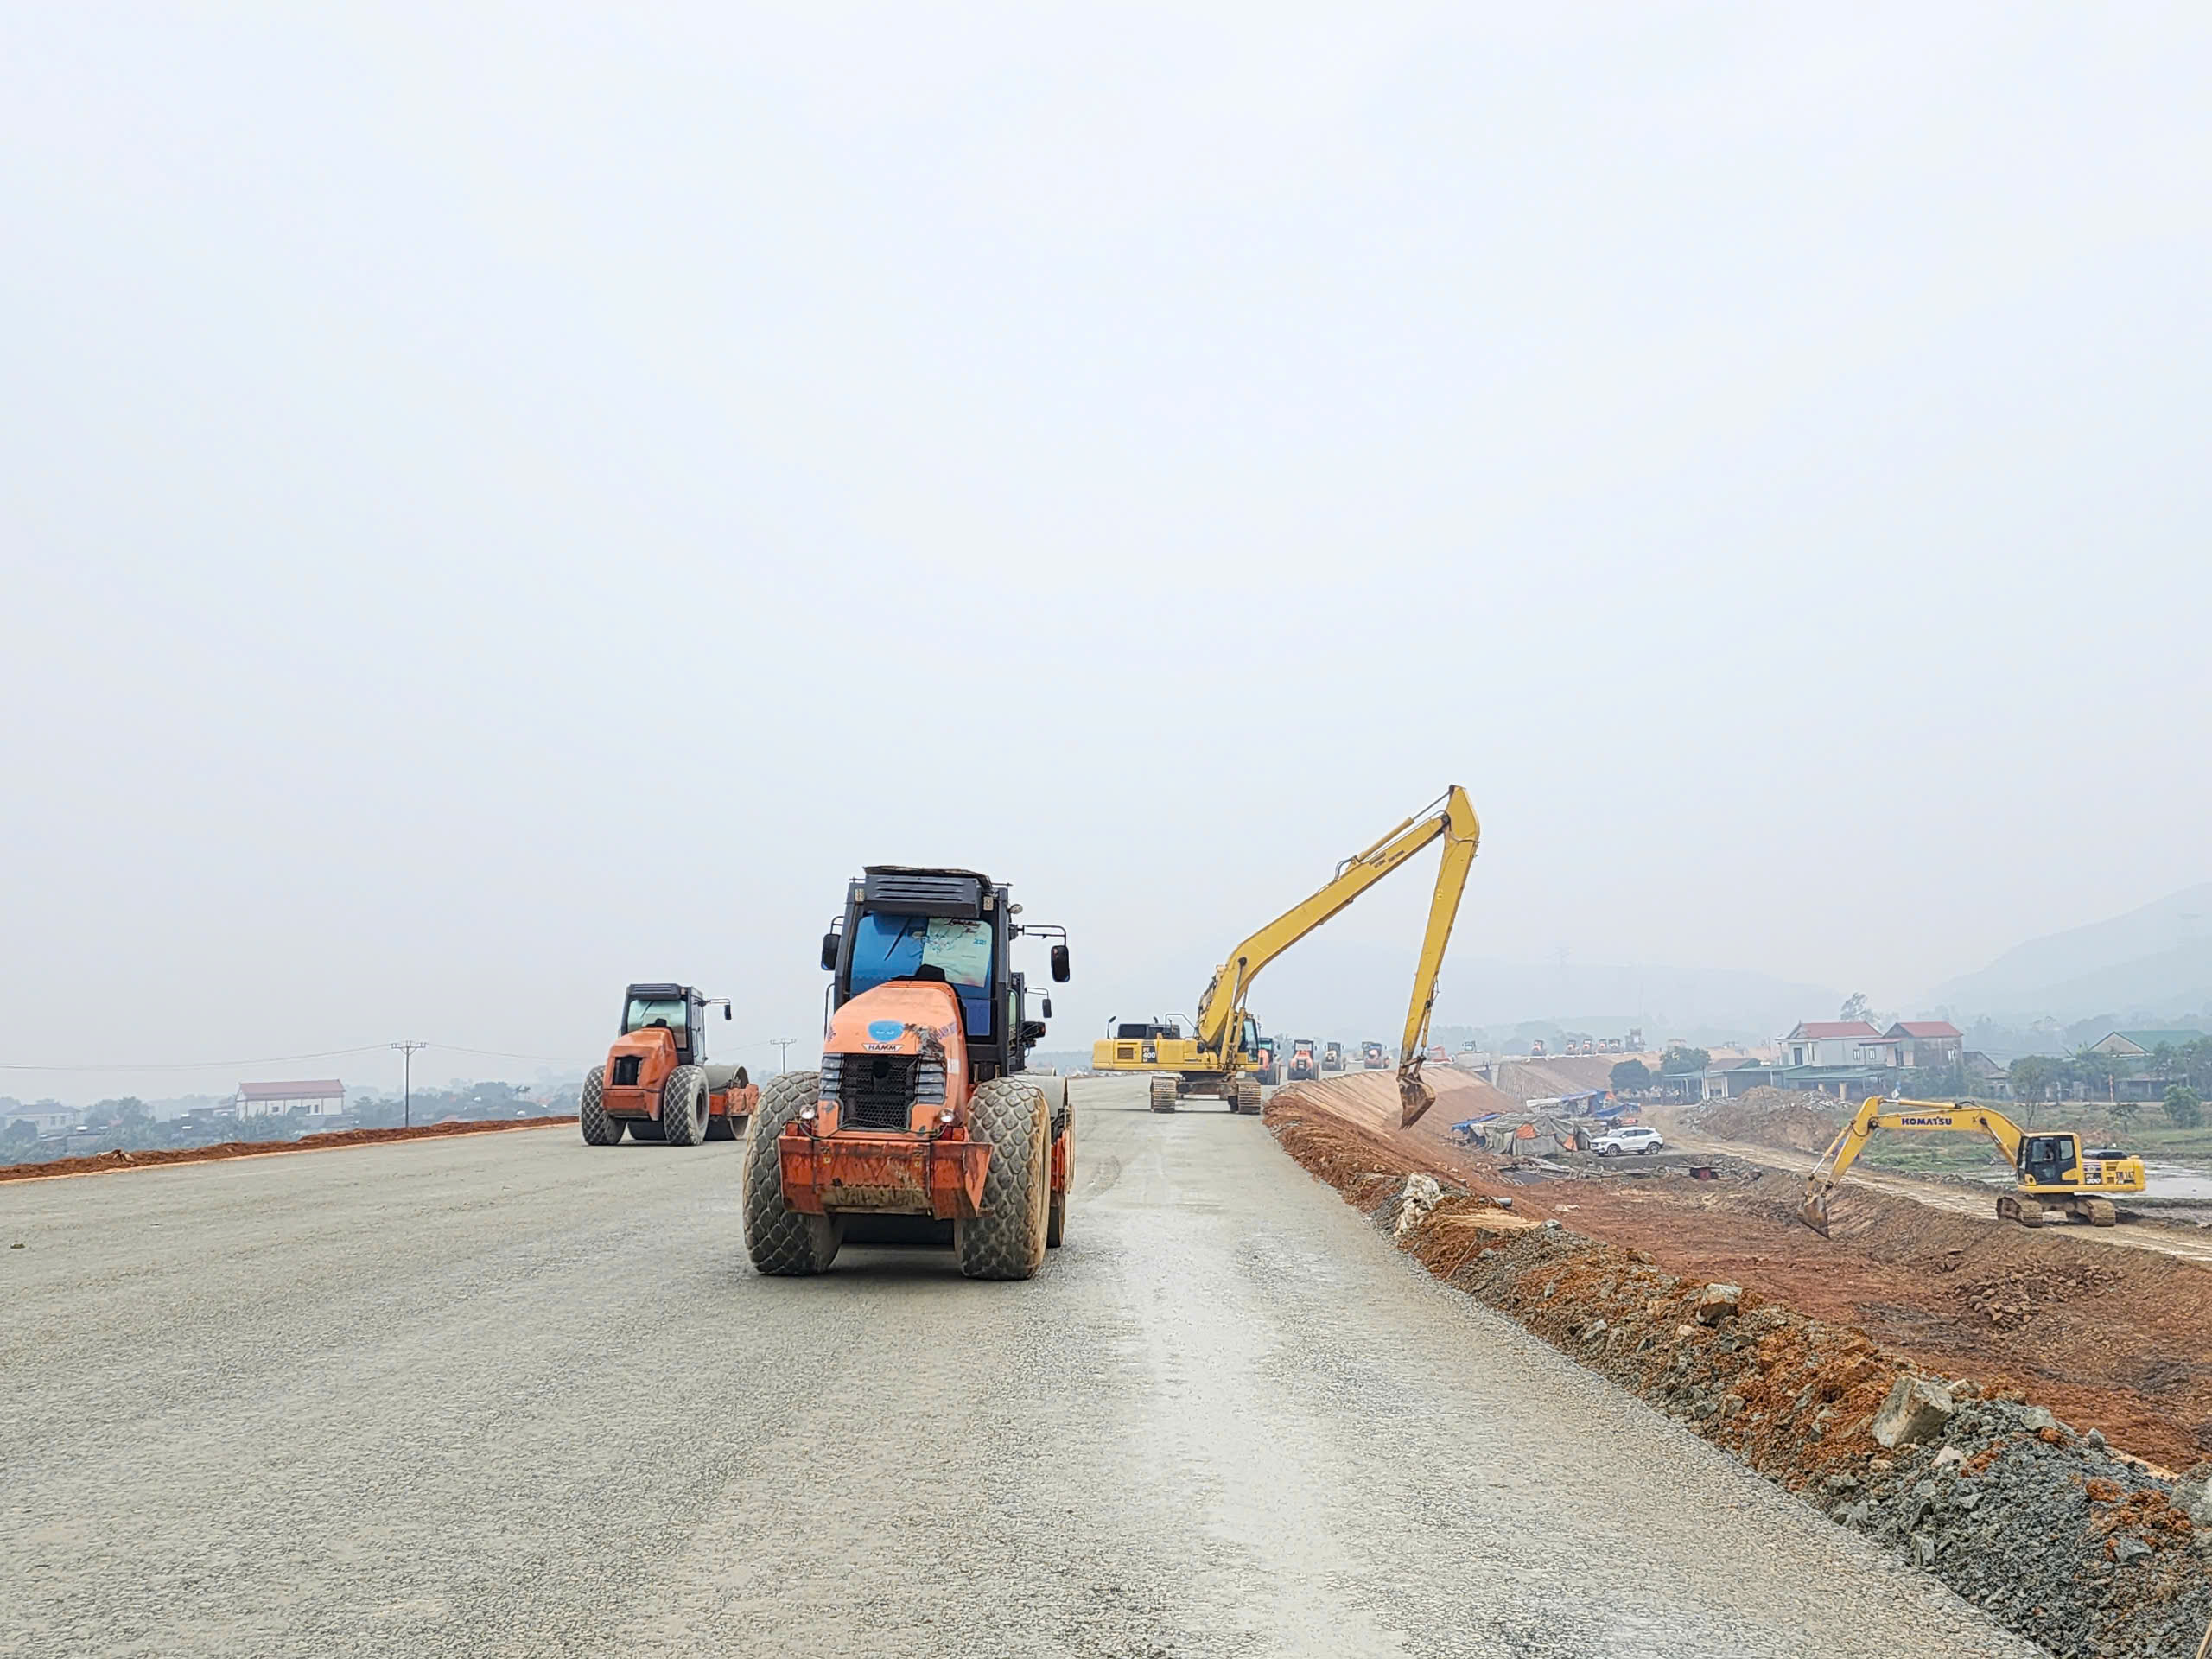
[1224, 1047]
[2052, 1175]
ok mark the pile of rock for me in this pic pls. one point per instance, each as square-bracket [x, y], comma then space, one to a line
[2086, 1551]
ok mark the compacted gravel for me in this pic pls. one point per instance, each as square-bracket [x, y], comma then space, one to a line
[510, 1394]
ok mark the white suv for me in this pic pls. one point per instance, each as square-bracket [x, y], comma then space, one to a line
[1630, 1139]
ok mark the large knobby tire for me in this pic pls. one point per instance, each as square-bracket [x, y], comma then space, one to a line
[780, 1240]
[684, 1106]
[1008, 1240]
[600, 1129]
[1056, 1218]
[1163, 1094]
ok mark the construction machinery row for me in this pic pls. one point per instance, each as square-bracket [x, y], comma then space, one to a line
[923, 1124]
[1225, 1056]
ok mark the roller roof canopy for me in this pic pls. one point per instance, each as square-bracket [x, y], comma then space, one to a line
[903, 890]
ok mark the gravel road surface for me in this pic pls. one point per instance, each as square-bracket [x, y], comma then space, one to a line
[512, 1394]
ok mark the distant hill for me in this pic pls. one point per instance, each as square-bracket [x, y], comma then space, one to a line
[2156, 960]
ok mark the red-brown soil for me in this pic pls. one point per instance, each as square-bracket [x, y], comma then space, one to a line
[2119, 1340]
[106, 1162]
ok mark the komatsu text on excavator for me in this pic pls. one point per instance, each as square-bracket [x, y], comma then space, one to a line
[1223, 1055]
[2052, 1175]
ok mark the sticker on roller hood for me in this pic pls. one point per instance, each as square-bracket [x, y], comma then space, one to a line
[886, 1031]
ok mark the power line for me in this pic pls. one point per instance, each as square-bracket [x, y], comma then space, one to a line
[504, 1054]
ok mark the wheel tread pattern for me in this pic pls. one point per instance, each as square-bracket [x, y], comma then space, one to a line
[781, 1241]
[600, 1129]
[684, 1106]
[1008, 1240]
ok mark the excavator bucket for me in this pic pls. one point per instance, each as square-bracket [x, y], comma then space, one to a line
[1814, 1212]
[1414, 1098]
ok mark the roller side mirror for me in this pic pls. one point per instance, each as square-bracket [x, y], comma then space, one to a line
[1060, 964]
[1048, 1007]
[829, 953]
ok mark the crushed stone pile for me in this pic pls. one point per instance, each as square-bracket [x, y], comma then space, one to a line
[2057, 1536]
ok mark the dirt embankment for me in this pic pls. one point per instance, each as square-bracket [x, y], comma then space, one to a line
[103, 1162]
[1772, 1117]
[1371, 1097]
[2117, 1339]
[2058, 1535]
[1554, 1075]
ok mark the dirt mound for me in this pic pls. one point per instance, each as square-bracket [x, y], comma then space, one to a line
[1371, 1097]
[2061, 1539]
[1773, 1117]
[1549, 1078]
[102, 1162]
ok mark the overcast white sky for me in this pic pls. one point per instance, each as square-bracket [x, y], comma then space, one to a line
[501, 501]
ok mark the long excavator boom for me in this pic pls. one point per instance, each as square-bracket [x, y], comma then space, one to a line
[1451, 817]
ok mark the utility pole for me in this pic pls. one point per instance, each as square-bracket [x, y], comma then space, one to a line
[407, 1081]
[783, 1052]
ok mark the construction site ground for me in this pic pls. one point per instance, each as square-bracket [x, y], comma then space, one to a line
[2147, 1227]
[2111, 1338]
[510, 1394]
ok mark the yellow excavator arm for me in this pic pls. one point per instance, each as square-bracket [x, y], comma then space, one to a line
[1450, 818]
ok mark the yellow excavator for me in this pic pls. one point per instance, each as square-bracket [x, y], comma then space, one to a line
[1224, 1048]
[2052, 1175]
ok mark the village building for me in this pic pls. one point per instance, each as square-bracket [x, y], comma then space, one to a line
[1923, 1044]
[2141, 1045]
[317, 1098]
[1830, 1042]
[1985, 1079]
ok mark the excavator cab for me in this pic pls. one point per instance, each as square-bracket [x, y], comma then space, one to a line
[2049, 1160]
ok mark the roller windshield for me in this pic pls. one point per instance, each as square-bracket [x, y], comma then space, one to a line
[894, 947]
[654, 1011]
